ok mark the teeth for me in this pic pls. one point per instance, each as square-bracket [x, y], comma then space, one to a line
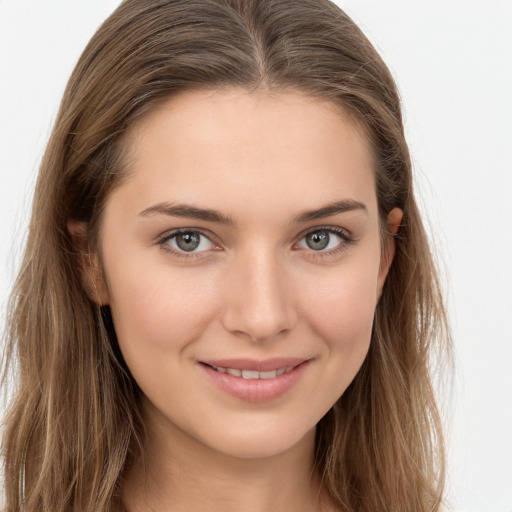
[252, 374]
[268, 375]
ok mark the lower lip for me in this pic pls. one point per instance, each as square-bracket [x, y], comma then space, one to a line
[256, 390]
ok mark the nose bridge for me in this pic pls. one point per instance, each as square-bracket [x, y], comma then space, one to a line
[259, 300]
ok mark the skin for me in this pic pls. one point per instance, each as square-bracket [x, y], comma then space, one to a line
[253, 289]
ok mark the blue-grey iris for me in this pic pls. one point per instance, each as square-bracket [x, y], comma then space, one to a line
[188, 240]
[318, 240]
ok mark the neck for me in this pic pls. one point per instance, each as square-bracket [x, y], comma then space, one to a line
[180, 474]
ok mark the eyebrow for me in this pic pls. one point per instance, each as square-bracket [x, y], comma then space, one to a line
[206, 214]
[187, 211]
[346, 205]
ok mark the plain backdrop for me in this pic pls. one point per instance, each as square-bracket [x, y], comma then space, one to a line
[452, 60]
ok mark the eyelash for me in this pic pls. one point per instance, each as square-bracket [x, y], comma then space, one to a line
[346, 240]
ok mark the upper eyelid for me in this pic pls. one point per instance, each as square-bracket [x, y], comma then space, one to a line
[172, 232]
[334, 229]
[343, 233]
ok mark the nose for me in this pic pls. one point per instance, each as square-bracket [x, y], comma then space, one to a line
[259, 299]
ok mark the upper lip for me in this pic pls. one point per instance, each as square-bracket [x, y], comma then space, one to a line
[267, 365]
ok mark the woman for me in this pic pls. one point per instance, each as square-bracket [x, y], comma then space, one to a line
[227, 299]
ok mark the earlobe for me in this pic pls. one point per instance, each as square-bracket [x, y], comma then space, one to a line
[92, 277]
[393, 224]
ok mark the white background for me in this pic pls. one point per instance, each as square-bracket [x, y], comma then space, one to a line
[453, 63]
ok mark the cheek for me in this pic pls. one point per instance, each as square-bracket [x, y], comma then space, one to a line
[341, 314]
[345, 326]
[342, 306]
[156, 310]
[351, 308]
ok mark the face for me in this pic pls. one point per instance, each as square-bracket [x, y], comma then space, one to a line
[243, 265]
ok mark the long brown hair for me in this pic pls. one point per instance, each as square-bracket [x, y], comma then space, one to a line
[75, 421]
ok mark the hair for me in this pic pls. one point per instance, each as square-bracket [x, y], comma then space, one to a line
[75, 418]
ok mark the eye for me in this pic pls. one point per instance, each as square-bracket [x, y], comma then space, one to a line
[325, 240]
[185, 241]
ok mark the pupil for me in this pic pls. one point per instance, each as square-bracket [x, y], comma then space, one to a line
[187, 241]
[318, 240]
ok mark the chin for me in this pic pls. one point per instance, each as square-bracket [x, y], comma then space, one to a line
[268, 441]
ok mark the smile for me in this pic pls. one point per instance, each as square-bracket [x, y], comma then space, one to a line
[253, 374]
[254, 381]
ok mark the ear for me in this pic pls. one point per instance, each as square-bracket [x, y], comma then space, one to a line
[393, 223]
[92, 277]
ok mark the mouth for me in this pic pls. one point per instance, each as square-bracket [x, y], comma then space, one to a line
[256, 381]
[253, 374]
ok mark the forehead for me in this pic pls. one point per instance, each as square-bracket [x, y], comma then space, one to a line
[229, 146]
